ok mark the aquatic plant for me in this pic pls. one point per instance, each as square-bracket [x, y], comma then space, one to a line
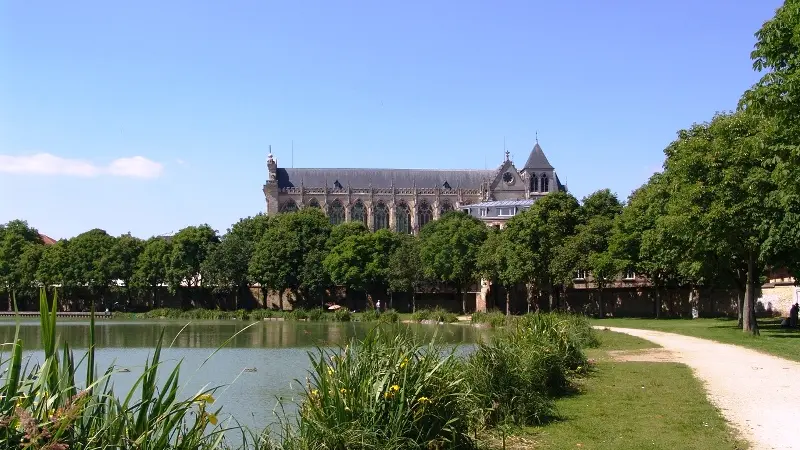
[386, 391]
[45, 406]
[526, 365]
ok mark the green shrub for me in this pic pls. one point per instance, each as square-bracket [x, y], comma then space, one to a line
[297, 314]
[368, 315]
[387, 392]
[526, 364]
[420, 315]
[389, 316]
[261, 314]
[440, 314]
[493, 318]
[342, 315]
[316, 314]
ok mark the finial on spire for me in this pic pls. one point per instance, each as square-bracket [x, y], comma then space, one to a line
[537, 136]
[507, 155]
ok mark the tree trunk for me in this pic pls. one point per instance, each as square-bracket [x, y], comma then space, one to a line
[413, 300]
[657, 303]
[280, 299]
[462, 293]
[508, 302]
[529, 295]
[10, 301]
[551, 298]
[601, 308]
[740, 304]
[749, 323]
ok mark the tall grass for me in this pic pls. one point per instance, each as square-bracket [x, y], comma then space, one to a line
[437, 314]
[43, 406]
[386, 391]
[526, 365]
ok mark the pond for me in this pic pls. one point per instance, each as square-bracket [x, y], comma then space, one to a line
[275, 354]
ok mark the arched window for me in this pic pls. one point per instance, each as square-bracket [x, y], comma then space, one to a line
[313, 203]
[545, 183]
[446, 207]
[358, 213]
[380, 216]
[402, 219]
[336, 212]
[534, 183]
[289, 206]
[424, 214]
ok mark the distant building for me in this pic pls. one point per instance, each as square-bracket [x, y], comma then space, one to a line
[47, 240]
[405, 200]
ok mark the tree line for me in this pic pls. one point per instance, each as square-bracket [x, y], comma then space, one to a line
[724, 210]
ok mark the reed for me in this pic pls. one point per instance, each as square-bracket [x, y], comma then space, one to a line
[43, 406]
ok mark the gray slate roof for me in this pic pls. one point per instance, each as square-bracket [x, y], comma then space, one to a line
[384, 178]
[537, 160]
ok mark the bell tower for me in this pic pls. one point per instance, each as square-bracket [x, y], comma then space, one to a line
[271, 187]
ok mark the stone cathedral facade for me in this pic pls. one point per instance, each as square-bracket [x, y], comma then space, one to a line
[404, 200]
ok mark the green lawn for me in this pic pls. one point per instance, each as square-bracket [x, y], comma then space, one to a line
[773, 339]
[631, 405]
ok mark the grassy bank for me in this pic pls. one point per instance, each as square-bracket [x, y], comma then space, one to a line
[773, 339]
[630, 405]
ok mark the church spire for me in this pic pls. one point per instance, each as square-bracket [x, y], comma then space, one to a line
[537, 160]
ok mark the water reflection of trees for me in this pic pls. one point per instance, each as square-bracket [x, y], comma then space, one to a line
[215, 334]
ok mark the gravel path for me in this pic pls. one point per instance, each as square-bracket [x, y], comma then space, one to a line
[757, 393]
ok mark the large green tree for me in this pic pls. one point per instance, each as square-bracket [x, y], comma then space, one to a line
[361, 262]
[405, 272]
[122, 259]
[541, 233]
[152, 267]
[227, 266]
[499, 262]
[290, 254]
[719, 177]
[449, 250]
[775, 98]
[90, 255]
[190, 248]
[17, 255]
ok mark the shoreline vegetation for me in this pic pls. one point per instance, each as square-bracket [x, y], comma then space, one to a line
[388, 390]
[437, 315]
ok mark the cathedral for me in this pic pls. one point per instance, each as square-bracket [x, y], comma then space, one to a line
[404, 200]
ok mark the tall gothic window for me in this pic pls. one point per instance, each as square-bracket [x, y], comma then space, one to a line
[446, 207]
[402, 218]
[289, 206]
[424, 214]
[358, 213]
[336, 212]
[534, 183]
[313, 203]
[545, 183]
[380, 216]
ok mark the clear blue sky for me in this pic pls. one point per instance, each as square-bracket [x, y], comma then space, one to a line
[153, 115]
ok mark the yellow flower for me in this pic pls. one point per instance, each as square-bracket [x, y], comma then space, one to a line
[204, 398]
[330, 370]
[395, 388]
[423, 400]
[387, 394]
[404, 363]
[314, 392]
[343, 390]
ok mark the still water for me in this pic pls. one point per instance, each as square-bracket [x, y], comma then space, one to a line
[274, 353]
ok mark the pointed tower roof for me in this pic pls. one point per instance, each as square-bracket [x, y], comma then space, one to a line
[537, 160]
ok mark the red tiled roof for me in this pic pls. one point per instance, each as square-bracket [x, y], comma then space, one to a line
[47, 240]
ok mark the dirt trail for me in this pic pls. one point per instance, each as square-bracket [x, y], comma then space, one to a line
[758, 394]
